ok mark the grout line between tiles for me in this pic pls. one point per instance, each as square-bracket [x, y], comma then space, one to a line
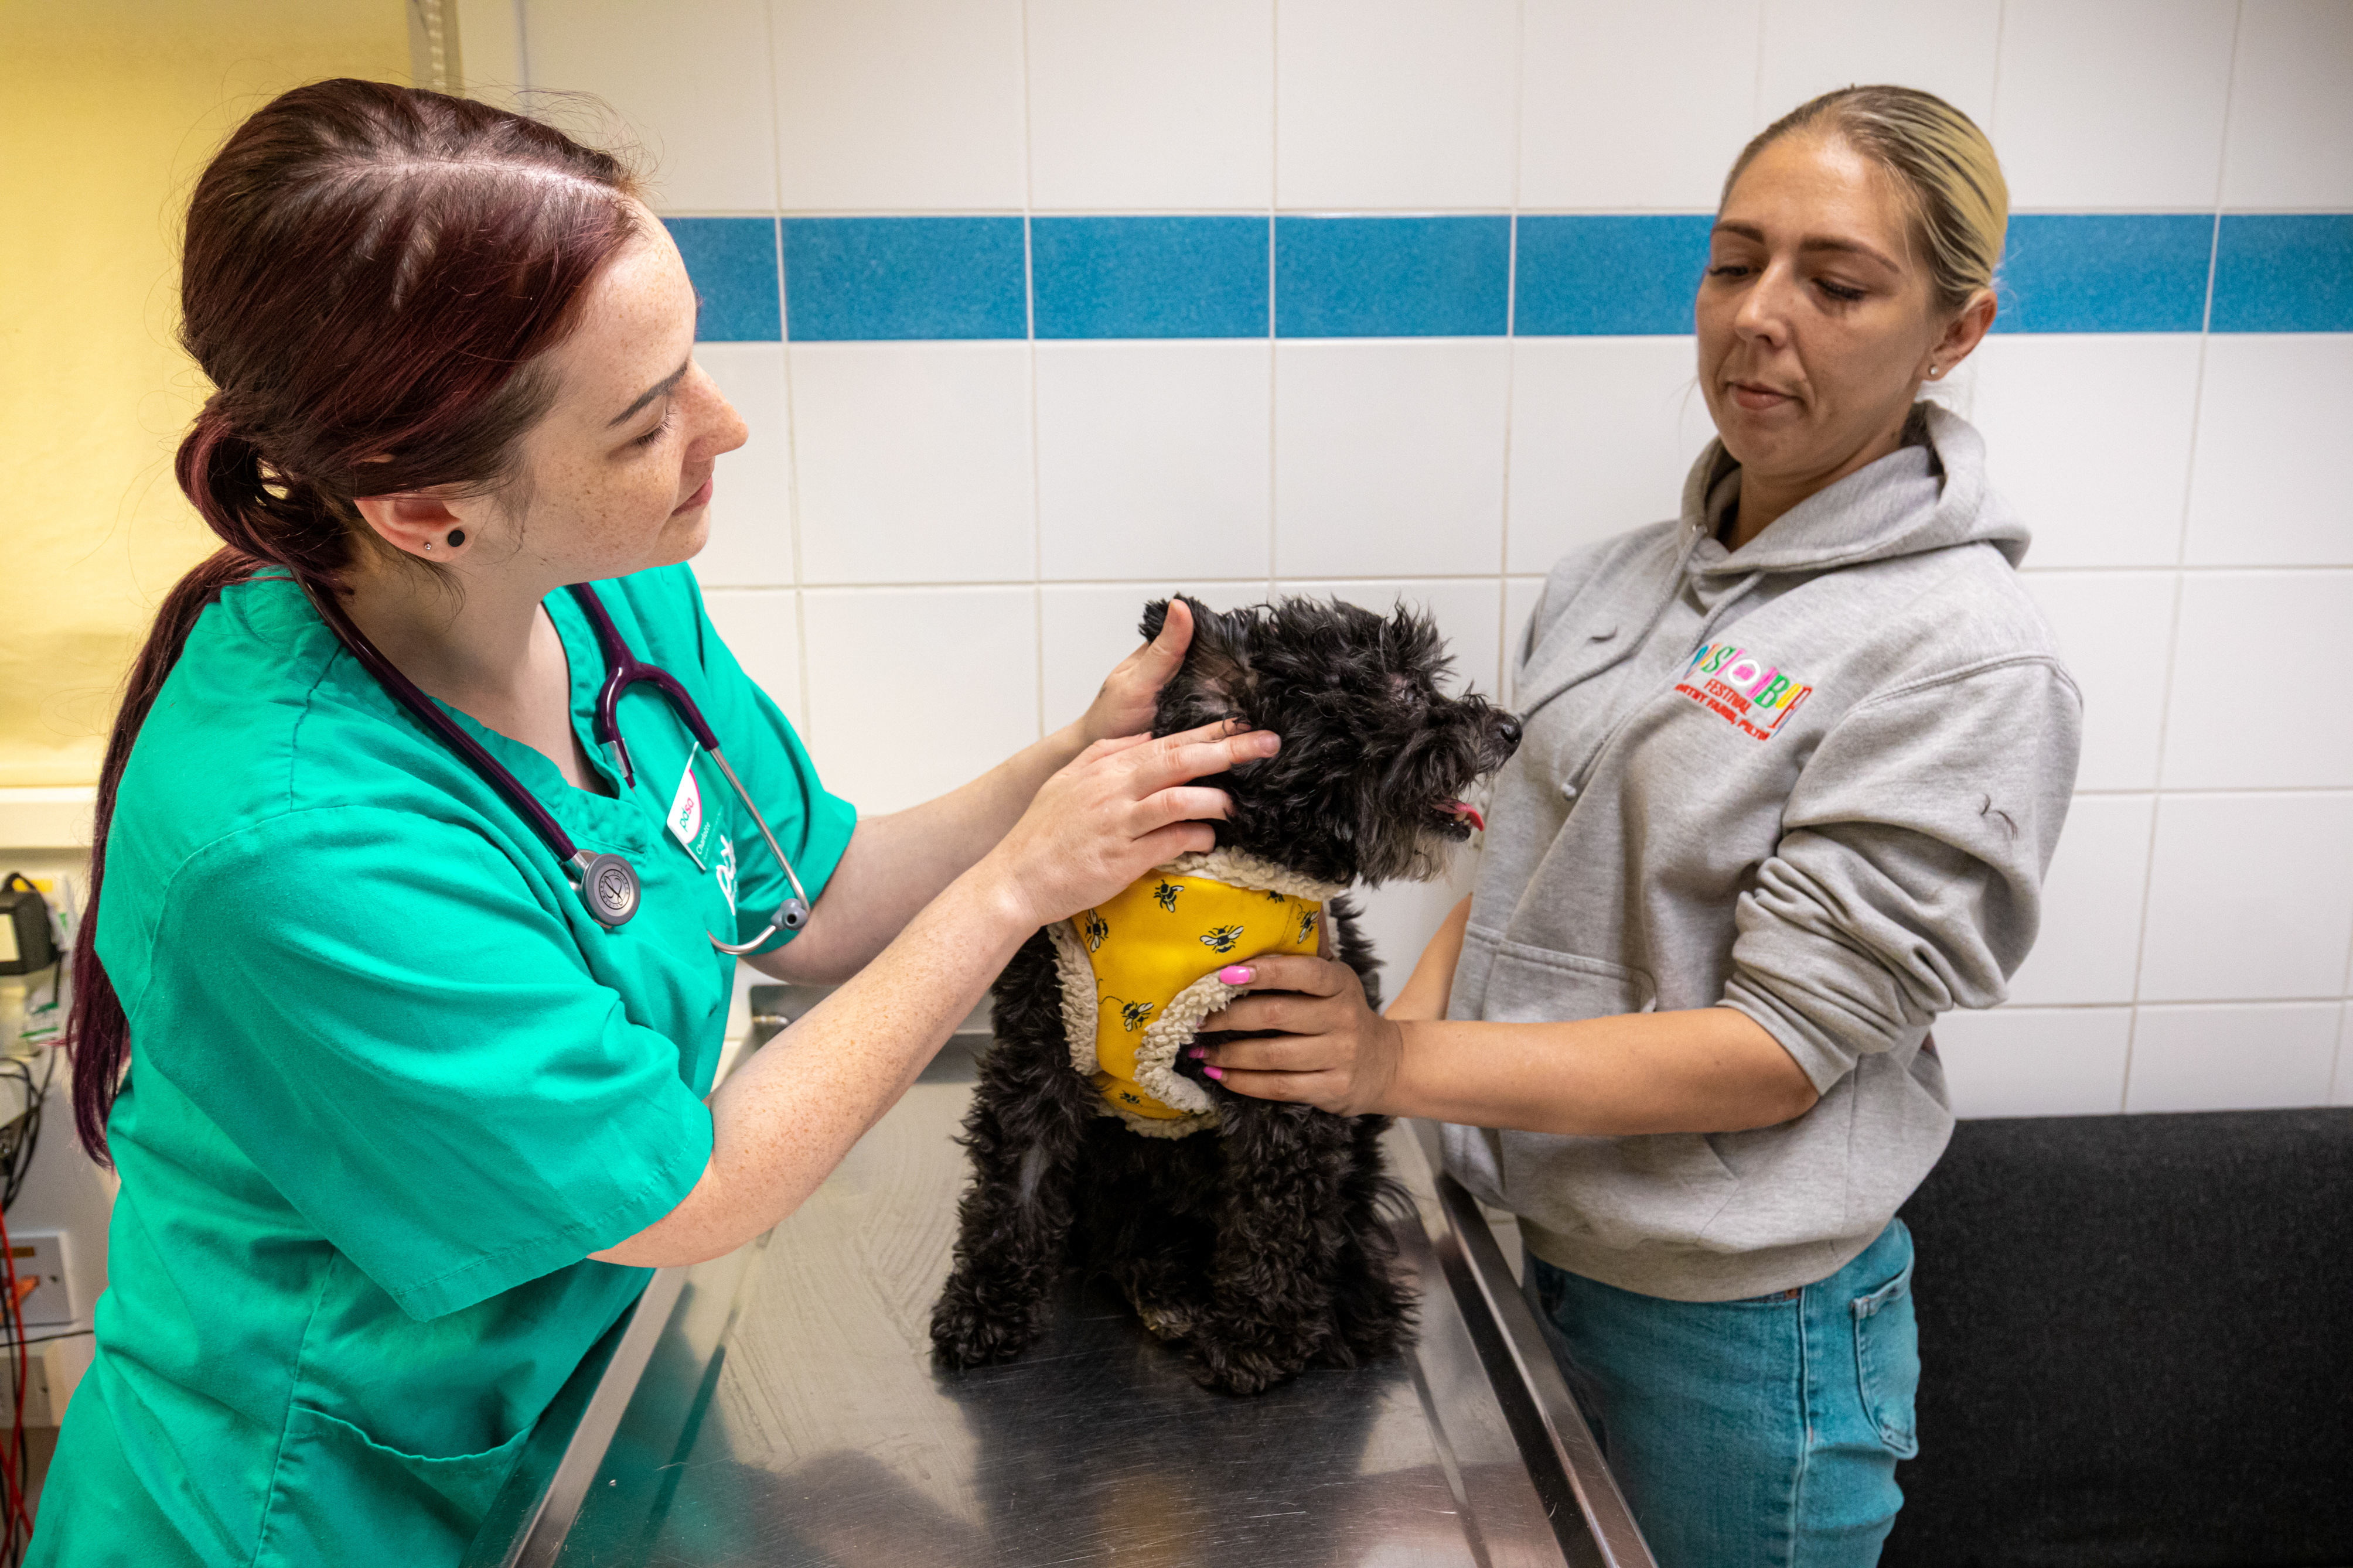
[2155, 820]
[1511, 327]
[801, 675]
[1993, 95]
[1030, 318]
[2181, 584]
[1273, 347]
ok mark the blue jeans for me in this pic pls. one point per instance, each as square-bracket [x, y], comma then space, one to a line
[1750, 1433]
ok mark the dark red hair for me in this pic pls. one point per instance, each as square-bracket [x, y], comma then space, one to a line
[371, 275]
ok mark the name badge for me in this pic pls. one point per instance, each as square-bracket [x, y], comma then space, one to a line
[690, 823]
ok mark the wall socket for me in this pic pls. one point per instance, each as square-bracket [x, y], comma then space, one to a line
[41, 1254]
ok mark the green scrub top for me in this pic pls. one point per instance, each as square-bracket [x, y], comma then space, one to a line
[390, 1084]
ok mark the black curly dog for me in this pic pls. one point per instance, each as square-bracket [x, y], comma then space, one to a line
[1262, 1247]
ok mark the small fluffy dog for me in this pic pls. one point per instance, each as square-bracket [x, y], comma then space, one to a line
[1248, 1230]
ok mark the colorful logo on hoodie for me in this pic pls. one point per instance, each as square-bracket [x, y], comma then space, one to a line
[1742, 689]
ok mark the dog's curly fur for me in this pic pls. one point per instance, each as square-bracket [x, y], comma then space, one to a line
[1262, 1247]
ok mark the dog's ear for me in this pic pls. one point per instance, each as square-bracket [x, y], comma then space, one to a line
[1215, 677]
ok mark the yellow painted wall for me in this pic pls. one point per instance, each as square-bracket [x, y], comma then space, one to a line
[107, 112]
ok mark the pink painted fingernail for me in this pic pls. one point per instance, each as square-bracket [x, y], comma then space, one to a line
[1214, 1072]
[1234, 975]
[1197, 1051]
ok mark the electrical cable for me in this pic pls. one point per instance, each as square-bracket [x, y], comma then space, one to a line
[16, 1465]
[18, 1142]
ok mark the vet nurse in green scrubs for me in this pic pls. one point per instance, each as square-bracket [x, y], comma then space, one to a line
[403, 995]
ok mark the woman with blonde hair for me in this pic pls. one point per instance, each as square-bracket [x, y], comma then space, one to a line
[1795, 765]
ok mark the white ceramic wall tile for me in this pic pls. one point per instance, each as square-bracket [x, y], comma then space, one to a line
[913, 461]
[1629, 108]
[2291, 115]
[1154, 458]
[2258, 687]
[1812, 46]
[2035, 1061]
[1389, 456]
[762, 628]
[2089, 436]
[1520, 596]
[1401, 917]
[691, 86]
[751, 542]
[2113, 104]
[1469, 613]
[1395, 103]
[1085, 629]
[2232, 1059]
[2112, 630]
[2340, 1082]
[2260, 494]
[914, 691]
[2089, 942]
[1604, 431]
[1137, 105]
[898, 105]
[2251, 898]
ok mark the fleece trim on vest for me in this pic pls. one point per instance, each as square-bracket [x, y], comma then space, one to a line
[1817, 779]
[1132, 992]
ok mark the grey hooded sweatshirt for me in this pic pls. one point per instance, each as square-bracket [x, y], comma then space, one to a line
[1818, 779]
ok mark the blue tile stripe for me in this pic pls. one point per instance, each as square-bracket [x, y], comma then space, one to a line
[866, 278]
[2100, 272]
[1579, 275]
[1609, 277]
[2284, 272]
[1150, 276]
[1392, 277]
[732, 263]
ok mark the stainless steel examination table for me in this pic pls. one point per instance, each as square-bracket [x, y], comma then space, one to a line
[780, 1406]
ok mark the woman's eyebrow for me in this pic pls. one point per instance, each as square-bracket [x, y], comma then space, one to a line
[1749, 231]
[658, 389]
[1846, 248]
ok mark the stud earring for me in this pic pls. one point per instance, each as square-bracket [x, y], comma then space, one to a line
[457, 537]
[428, 547]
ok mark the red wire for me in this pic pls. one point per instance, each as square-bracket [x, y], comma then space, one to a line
[13, 1320]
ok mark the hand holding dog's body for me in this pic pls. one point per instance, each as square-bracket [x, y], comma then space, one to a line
[1700, 1070]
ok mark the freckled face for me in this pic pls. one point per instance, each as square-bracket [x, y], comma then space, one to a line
[1815, 319]
[620, 469]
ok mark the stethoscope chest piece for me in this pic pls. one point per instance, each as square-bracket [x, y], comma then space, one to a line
[610, 888]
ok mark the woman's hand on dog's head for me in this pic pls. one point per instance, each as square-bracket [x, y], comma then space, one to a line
[1130, 695]
[1123, 806]
[1330, 1049]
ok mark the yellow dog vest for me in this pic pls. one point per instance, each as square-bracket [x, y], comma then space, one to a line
[1139, 973]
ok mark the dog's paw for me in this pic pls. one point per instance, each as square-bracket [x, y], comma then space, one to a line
[1249, 1360]
[1230, 1369]
[964, 1333]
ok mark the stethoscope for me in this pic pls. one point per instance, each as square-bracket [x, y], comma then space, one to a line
[607, 884]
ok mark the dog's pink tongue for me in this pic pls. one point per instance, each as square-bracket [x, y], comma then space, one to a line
[1465, 808]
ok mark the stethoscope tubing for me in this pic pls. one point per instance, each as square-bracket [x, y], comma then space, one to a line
[605, 883]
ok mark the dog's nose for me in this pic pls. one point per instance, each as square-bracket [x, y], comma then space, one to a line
[1508, 728]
